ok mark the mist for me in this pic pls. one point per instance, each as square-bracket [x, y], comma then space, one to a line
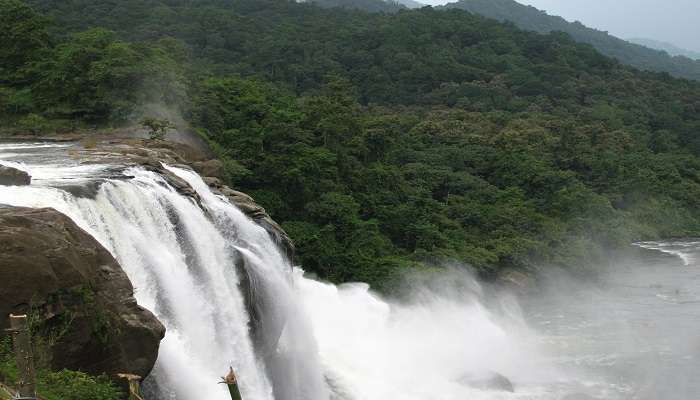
[627, 333]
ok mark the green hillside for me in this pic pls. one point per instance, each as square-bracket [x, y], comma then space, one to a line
[667, 47]
[364, 5]
[530, 18]
[381, 141]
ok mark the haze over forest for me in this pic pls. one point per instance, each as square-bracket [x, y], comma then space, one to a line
[674, 22]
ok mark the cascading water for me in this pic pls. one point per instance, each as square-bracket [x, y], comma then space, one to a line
[181, 258]
[227, 296]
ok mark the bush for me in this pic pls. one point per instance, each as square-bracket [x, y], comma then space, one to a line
[74, 385]
[34, 123]
[63, 385]
[157, 128]
[8, 369]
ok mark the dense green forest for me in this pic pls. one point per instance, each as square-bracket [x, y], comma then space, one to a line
[530, 18]
[365, 5]
[381, 141]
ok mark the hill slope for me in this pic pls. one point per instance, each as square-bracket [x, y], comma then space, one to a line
[364, 5]
[381, 141]
[667, 47]
[530, 18]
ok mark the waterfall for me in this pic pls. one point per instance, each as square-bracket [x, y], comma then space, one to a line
[229, 297]
[185, 260]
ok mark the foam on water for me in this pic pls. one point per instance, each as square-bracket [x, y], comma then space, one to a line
[687, 251]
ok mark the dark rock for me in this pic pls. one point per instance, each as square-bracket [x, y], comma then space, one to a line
[81, 298]
[488, 380]
[213, 168]
[278, 235]
[213, 182]
[258, 214]
[86, 190]
[13, 177]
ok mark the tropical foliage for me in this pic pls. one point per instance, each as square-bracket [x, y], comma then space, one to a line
[630, 53]
[382, 141]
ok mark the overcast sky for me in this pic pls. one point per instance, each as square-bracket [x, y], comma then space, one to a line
[674, 21]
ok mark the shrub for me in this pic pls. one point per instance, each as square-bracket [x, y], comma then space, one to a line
[74, 385]
[157, 128]
[34, 123]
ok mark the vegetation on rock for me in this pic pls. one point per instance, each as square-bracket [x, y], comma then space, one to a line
[80, 306]
[157, 128]
[61, 385]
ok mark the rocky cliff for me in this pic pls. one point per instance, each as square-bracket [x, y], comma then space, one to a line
[152, 153]
[79, 300]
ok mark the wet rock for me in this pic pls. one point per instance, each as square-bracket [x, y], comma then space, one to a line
[87, 190]
[80, 297]
[213, 168]
[258, 214]
[213, 182]
[150, 155]
[13, 177]
[515, 279]
[488, 380]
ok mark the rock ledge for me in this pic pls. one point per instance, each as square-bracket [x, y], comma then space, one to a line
[76, 291]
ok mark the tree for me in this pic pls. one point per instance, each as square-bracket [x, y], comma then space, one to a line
[157, 128]
[23, 36]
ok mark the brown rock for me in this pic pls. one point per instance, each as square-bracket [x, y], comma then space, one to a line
[13, 177]
[78, 293]
[258, 214]
[213, 168]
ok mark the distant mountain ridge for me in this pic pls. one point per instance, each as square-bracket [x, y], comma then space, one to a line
[669, 48]
[530, 18]
[411, 3]
[369, 5]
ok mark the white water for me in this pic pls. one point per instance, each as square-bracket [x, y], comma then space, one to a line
[687, 250]
[182, 265]
[420, 350]
[323, 342]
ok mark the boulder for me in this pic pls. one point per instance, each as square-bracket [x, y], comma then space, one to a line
[214, 168]
[488, 380]
[258, 214]
[82, 301]
[13, 177]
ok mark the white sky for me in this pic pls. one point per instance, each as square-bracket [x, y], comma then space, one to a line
[674, 21]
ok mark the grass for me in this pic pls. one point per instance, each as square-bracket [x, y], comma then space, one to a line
[4, 393]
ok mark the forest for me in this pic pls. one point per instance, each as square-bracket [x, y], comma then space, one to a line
[638, 55]
[381, 142]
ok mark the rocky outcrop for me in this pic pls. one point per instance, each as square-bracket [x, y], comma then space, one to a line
[488, 380]
[13, 177]
[151, 153]
[78, 297]
[255, 212]
[213, 168]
